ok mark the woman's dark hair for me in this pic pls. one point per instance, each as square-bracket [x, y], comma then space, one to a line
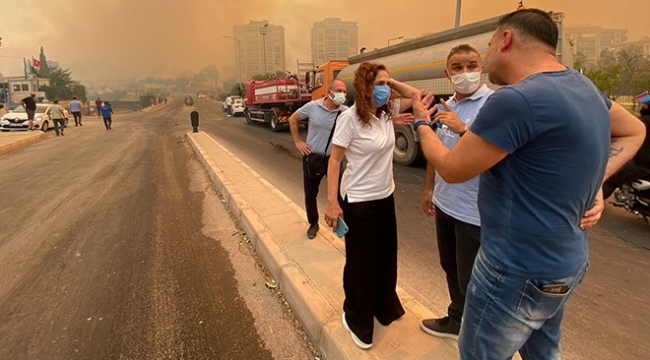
[532, 23]
[364, 84]
[645, 110]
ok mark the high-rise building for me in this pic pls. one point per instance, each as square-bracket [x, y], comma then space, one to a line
[333, 39]
[590, 41]
[259, 49]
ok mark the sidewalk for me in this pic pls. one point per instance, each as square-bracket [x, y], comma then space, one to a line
[309, 272]
[15, 140]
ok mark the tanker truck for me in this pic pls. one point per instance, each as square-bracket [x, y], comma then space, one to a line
[421, 63]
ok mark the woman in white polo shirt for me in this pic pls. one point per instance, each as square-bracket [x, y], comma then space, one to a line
[364, 135]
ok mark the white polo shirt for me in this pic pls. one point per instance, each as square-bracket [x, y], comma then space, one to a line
[368, 174]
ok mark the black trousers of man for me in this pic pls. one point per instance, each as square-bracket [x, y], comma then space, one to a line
[311, 187]
[58, 123]
[77, 117]
[370, 272]
[108, 122]
[458, 244]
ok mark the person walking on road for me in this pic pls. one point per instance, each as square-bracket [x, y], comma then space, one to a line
[107, 112]
[29, 103]
[454, 206]
[229, 105]
[364, 134]
[98, 106]
[322, 114]
[542, 160]
[75, 108]
[57, 115]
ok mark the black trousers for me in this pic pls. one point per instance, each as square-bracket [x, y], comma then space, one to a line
[57, 123]
[370, 272]
[107, 122]
[77, 117]
[311, 187]
[458, 244]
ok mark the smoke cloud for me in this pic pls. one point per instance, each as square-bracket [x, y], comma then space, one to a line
[121, 39]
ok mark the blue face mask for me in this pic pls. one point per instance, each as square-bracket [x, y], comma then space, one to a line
[382, 95]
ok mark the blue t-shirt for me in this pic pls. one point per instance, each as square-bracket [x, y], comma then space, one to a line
[321, 121]
[556, 128]
[106, 111]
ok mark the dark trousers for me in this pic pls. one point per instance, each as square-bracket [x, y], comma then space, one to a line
[458, 244]
[107, 122]
[58, 122]
[311, 186]
[77, 117]
[370, 272]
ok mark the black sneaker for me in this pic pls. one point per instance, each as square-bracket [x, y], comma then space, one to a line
[311, 232]
[445, 327]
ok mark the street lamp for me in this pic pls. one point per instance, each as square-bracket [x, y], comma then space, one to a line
[238, 57]
[458, 5]
[263, 31]
[395, 38]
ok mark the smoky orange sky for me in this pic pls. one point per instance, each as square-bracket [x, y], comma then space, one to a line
[118, 39]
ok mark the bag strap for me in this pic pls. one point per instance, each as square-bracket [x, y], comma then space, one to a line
[332, 132]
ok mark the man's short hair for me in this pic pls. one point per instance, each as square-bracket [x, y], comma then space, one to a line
[533, 24]
[462, 49]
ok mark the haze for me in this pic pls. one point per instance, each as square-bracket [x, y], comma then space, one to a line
[115, 39]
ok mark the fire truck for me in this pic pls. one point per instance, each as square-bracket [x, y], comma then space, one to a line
[420, 62]
[273, 101]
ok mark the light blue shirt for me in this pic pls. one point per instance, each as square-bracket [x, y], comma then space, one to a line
[460, 201]
[74, 105]
[321, 121]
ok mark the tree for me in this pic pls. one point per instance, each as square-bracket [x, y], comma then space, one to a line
[624, 71]
[62, 86]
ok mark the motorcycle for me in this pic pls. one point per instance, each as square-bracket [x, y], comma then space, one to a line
[634, 197]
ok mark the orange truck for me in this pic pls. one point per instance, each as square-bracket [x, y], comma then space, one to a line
[419, 62]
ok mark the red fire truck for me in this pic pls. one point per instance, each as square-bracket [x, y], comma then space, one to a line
[273, 101]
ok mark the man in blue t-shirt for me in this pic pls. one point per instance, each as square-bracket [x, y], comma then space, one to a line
[542, 146]
[322, 114]
[107, 112]
[75, 108]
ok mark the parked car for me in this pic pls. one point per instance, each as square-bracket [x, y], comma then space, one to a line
[233, 98]
[238, 107]
[16, 120]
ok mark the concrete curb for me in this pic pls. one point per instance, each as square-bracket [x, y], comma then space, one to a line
[5, 148]
[318, 312]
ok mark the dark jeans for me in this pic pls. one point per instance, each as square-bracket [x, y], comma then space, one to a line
[107, 122]
[370, 272]
[77, 117]
[58, 122]
[458, 244]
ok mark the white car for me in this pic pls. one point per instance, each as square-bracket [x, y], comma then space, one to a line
[237, 107]
[16, 120]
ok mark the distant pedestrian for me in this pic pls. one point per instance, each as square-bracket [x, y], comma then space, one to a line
[56, 112]
[98, 106]
[29, 103]
[75, 108]
[107, 111]
[229, 105]
[165, 100]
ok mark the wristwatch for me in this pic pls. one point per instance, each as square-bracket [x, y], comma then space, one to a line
[419, 123]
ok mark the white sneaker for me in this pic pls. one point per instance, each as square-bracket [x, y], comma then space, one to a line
[355, 339]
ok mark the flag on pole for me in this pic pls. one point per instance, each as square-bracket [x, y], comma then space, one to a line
[37, 64]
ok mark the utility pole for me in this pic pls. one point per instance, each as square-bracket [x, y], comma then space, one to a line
[458, 6]
[263, 31]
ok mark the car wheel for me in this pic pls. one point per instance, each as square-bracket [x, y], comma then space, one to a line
[45, 126]
[275, 123]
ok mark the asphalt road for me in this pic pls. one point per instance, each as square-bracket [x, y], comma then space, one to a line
[113, 245]
[608, 317]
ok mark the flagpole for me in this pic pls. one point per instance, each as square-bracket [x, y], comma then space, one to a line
[25, 67]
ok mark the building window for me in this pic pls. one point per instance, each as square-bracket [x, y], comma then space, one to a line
[25, 87]
[16, 87]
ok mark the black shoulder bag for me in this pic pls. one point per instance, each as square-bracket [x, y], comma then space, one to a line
[316, 165]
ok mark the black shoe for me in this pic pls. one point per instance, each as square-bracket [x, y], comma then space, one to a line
[311, 232]
[62, 133]
[355, 339]
[445, 327]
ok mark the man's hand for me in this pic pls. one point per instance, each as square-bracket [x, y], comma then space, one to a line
[449, 118]
[422, 109]
[303, 147]
[403, 119]
[427, 204]
[332, 214]
[593, 215]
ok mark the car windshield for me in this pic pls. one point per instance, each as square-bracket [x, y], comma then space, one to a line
[19, 109]
[40, 109]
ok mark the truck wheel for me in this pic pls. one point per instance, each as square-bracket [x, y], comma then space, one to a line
[406, 151]
[275, 123]
[247, 115]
